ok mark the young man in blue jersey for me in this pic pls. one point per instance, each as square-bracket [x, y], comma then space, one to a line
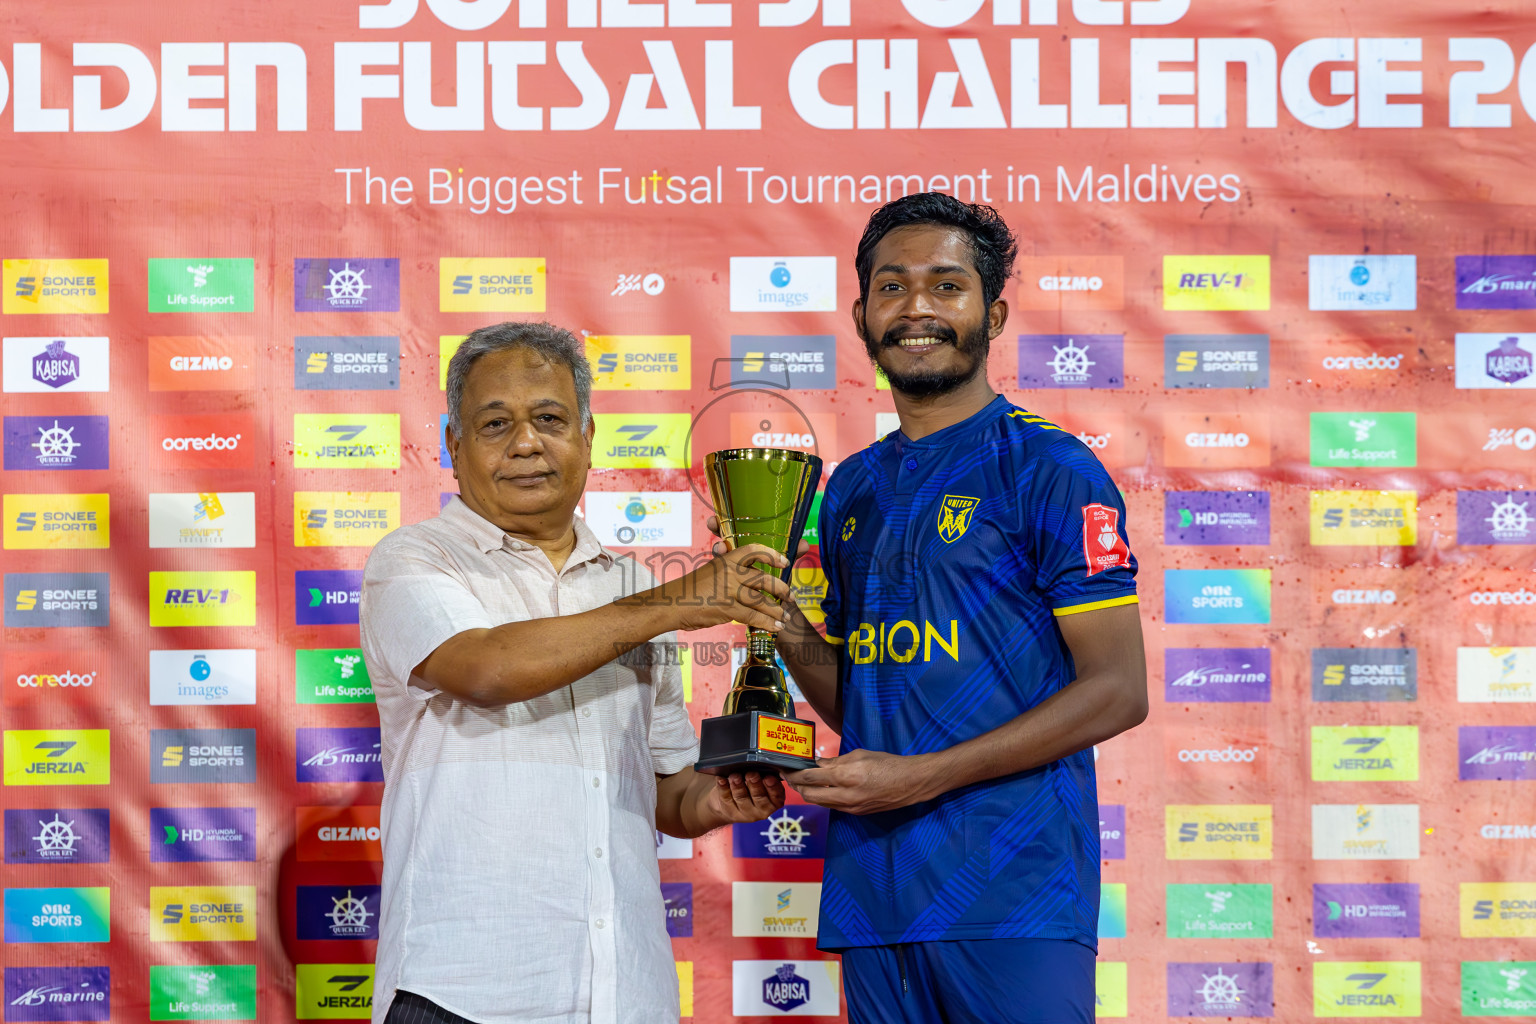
[981, 636]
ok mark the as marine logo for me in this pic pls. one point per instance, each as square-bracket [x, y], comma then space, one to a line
[955, 514]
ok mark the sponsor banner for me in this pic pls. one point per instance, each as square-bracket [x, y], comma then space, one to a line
[197, 363]
[202, 913]
[338, 755]
[1494, 282]
[51, 365]
[812, 432]
[1223, 990]
[202, 598]
[641, 440]
[1112, 831]
[202, 285]
[1495, 361]
[1216, 361]
[202, 519]
[326, 596]
[491, 284]
[346, 285]
[1071, 361]
[57, 994]
[33, 678]
[1051, 283]
[804, 362]
[677, 899]
[774, 909]
[331, 675]
[1371, 518]
[1472, 439]
[1362, 282]
[1498, 988]
[785, 988]
[181, 834]
[1357, 363]
[1365, 911]
[58, 915]
[1111, 992]
[1219, 831]
[1495, 517]
[1496, 752]
[1217, 674]
[1216, 517]
[447, 345]
[1216, 440]
[333, 991]
[56, 522]
[1108, 434]
[343, 518]
[1495, 675]
[1222, 283]
[685, 988]
[54, 286]
[202, 755]
[673, 848]
[58, 757]
[641, 519]
[52, 835]
[1367, 753]
[1220, 911]
[327, 912]
[331, 440]
[56, 442]
[444, 458]
[1365, 831]
[1365, 674]
[1111, 910]
[789, 284]
[203, 992]
[1218, 751]
[796, 831]
[1366, 989]
[338, 833]
[1498, 910]
[222, 441]
[1364, 438]
[649, 362]
[44, 600]
[346, 363]
[1216, 595]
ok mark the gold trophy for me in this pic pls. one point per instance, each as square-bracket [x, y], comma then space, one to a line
[761, 496]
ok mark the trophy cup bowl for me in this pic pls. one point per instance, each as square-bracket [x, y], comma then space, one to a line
[761, 496]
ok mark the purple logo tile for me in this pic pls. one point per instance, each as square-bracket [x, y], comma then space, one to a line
[1112, 831]
[1216, 517]
[1221, 675]
[678, 898]
[346, 285]
[1496, 517]
[57, 836]
[1498, 752]
[328, 912]
[56, 442]
[1388, 911]
[58, 994]
[1496, 282]
[338, 755]
[326, 596]
[1071, 360]
[794, 831]
[1221, 990]
[56, 365]
[180, 834]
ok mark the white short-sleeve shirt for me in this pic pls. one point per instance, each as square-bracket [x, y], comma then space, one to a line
[520, 879]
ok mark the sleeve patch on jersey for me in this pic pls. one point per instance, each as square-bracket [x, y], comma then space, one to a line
[1093, 606]
[1103, 547]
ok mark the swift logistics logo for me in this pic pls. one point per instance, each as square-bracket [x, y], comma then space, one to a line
[1494, 282]
[641, 519]
[1071, 361]
[51, 365]
[202, 285]
[35, 995]
[1496, 752]
[202, 992]
[333, 991]
[1498, 988]
[1495, 517]
[677, 901]
[1220, 283]
[338, 755]
[203, 519]
[58, 757]
[787, 284]
[202, 913]
[325, 597]
[221, 441]
[1219, 831]
[1216, 361]
[328, 440]
[1364, 439]
[56, 442]
[797, 831]
[202, 755]
[1365, 831]
[1215, 517]
[804, 362]
[1365, 674]
[56, 522]
[338, 833]
[332, 912]
[52, 835]
[1495, 675]
[1221, 990]
[1220, 910]
[1498, 910]
[775, 909]
[1369, 518]
[186, 834]
[650, 362]
[58, 915]
[1366, 989]
[1365, 911]
[1051, 283]
[1380, 753]
[641, 440]
[54, 286]
[1217, 675]
[1216, 440]
[1216, 595]
[225, 598]
[805, 988]
[491, 284]
[346, 285]
[44, 600]
[196, 363]
[1486, 361]
[343, 518]
[202, 677]
[346, 363]
[331, 675]
[1362, 282]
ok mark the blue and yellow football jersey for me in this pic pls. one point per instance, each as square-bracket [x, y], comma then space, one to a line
[948, 560]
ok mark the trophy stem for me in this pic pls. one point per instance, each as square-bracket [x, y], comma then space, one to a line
[760, 646]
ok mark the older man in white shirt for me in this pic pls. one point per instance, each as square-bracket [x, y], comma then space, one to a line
[527, 764]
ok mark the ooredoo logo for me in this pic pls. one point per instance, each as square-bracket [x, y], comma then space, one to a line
[1224, 755]
[41, 678]
[1501, 597]
[221, 441]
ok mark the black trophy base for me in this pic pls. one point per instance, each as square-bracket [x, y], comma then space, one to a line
[733, 744]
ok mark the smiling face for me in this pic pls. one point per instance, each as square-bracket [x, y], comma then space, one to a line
[925, 321]
[522, 462]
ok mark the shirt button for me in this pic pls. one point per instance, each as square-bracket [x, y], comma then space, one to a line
[911, 463]
[586, 712]
[598, 852]
[600, 923]
[596, 783]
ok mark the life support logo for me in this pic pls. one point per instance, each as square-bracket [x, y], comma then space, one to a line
[1103, 547]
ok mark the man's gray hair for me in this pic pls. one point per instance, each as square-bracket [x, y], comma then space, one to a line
[553, 343]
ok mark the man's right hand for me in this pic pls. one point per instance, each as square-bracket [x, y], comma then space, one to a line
[729, 588]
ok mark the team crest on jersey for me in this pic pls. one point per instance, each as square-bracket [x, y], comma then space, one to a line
[955, 514]
[848, 525]
[1103, 547]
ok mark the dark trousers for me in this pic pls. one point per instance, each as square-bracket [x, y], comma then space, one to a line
[410, 1008]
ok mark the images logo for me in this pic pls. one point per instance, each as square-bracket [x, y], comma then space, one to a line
[54, 286]
[194, 363]
[333, 991]
[1495, 675]
[1381, 753]
[1498, 988]
[1374, 911]
[1364, 439]
[54, 836]
[204, 992]
[646, 519]
[52, 599]
[491, 285]
[1050, 283]
[53, 994]
[677, 899]
[1365, 831]
[1362, 282]
[324, 440]
[56, 442]
[1494, 282]
[48, 365]
[641, 440]
[202, 913]
[1221, 990]
[652, 362]
[202, 677]
[1342, 674]
[1366, 989]
[203, 519]
[326, 596]
[202, 599]
[58, 757]
[346, 286]
[202, 286]
[790, 284]
[339, 755]
[1497, 752]
[1219, 831]
[343, 518]
[332, 675]
[774, 909]
[1498, 910]
[1495, 517]
[1216, 595]
[805, 362]
[223, 441]
[1217, 675]
[1220, 911]
[202, 755]
[1216, 517]
[346, 364]
[339, 833]
[1071, 361]
[1215, 440]
[58, 915]
[1371, 518]
[184, 834]
[1216, 361]
[1215, 282]
[328, 912]
[795, 831]
[55, 522]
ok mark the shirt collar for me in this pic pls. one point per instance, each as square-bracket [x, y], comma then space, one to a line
[489, 537]
[957, 432]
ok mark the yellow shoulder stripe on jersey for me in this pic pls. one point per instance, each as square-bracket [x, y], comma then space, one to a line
[1094, 606]
[1029, 417]
[834, 640]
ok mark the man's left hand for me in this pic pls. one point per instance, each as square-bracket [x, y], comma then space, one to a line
[861, 782]
[740, 798]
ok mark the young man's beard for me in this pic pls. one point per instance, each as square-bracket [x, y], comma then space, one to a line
[975, 344]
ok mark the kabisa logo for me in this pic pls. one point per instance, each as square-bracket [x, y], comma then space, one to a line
[332, 675]
[1216, 517]
[1495, 675]
[57, 915]
[55, 286]
[1051, 283]
[1498, 988]
[56, 442]
[346, 285]
[346, 363]
[1364, 439]
[795, 830]
[202, 598]
[1216, 361]
[677, 901]
[641, 440]
[202, 913]
[194, 363]
[1497, 752]
[790, 284]
[58, 836]
[1382, 753]
[349, 833]
[1366, 989]
[1365, 911]
[1216, 595]
[203, 519]
[1362, 282]
[53, 994]
[343, 518]
[1496, 282]
[50, 365]
[58, 757]
[1221, 990]
[1495, 517]
[1501, 361]
[339, 755]
[346, 440]
[1219, 831]
[204, 992]
[183, 834]
[1217, 675]
[52, 599]
[1365, 831]
[327, 596]
[801, 361]
[1498, 910]
[53, 522]
[202, 755]
[338, 912]
[785, 990]
[1370, 518]
[333, 991]
[202, 286]
[641, 519]
[1215, 282]
[1365, 674]
[651, 362]
[491, 284]
[1235, 911]
[1071, 361]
